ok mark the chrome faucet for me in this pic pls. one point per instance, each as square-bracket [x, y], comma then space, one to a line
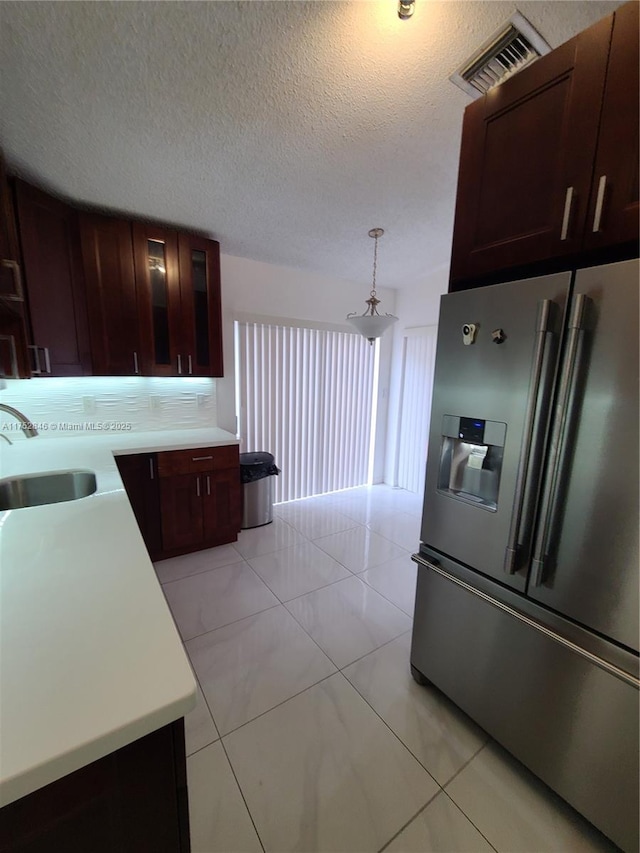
[25, 424]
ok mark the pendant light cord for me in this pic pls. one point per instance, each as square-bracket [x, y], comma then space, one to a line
[375, 265]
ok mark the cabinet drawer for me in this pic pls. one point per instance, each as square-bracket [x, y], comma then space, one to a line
[198, 460]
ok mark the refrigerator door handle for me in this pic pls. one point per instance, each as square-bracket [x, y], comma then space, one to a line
[559, 443]
[539, 391]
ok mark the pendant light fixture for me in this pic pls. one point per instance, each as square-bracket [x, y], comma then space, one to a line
[371, 324]
[406, 8]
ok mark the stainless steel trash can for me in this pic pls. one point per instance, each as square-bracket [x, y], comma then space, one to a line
[257, 471]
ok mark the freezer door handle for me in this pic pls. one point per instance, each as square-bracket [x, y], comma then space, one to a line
[551, 499]
[529, 469]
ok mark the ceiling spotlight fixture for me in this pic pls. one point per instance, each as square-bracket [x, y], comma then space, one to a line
[372, 325]
[406, 9]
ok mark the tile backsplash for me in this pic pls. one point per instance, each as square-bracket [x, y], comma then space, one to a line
[74, 405]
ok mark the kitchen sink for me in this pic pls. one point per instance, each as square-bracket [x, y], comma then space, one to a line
[39, 489]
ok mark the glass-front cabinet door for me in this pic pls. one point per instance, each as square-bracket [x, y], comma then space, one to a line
[178, 286]
[158, 284]
[200, 294]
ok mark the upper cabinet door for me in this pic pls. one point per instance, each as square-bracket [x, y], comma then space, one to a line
[200, 295]
[54, 283]
[158, 284]
[10, 278]
[14, 362]
[107, 253]
[613, 209]
[526, 160]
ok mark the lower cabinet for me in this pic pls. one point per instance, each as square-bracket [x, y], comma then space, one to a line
[140, 479]
[133, 800]
[222, 505]
[184, 500]
[200, 498]
[181, 501]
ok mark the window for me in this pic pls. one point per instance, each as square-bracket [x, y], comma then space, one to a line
[307, 396]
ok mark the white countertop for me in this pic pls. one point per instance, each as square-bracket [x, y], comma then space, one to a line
[90, 658]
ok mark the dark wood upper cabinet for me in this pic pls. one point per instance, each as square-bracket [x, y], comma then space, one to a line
[106, 295]
[158, 286]
[107, 254]
[14, 360]
[54, 282]
[158, 292]
[178, 283]
[10, 272]
[613, 209]
[526, 163]
[201, 304]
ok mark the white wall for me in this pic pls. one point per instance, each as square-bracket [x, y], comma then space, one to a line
[417, 305]
[253, 287]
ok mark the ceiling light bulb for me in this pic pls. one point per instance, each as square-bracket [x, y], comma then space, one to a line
[406, 9]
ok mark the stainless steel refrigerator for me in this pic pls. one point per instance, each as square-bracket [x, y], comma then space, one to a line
[527, 595]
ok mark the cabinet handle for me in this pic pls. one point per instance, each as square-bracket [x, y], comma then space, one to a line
[14, 266]
[200, 458]
[180, 365]
[198, 486]
[190, 366]
[36, 359]
[135, 363]
[38, 369]
[151, 474]
[566, 216]
[11, 343]
[208, 485]
[602, 185]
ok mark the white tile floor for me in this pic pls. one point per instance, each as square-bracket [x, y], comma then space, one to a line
[309, 733]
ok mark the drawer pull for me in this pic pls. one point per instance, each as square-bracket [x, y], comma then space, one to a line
[200, 458]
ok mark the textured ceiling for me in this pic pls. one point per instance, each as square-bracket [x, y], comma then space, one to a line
[284, 129]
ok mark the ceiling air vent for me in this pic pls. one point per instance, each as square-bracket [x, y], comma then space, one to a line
[510, 49]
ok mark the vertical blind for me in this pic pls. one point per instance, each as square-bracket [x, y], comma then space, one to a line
[418, 364]
[306, 395]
